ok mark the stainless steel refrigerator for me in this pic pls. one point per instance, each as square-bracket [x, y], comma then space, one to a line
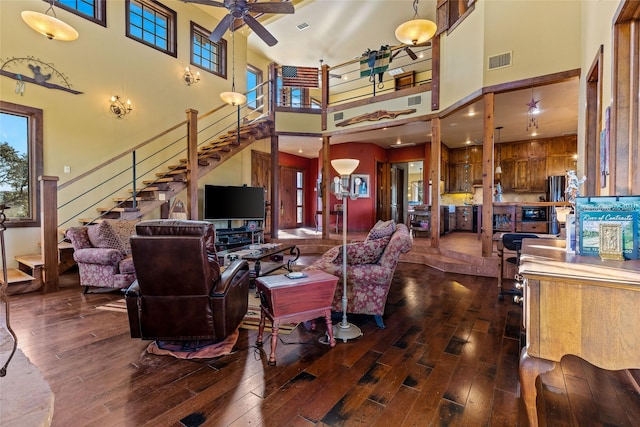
[555, 193]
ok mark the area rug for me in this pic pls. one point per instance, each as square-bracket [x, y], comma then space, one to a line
[252, 318]
[204, 349]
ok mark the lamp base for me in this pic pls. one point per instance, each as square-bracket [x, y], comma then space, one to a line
[346, 332]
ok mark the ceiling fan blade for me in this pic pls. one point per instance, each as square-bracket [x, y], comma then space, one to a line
[222, 28]
[271, 7]
[206, 2]
[411, 54]
[260, 30]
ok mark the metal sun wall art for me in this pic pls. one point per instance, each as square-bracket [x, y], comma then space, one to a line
[44, 74]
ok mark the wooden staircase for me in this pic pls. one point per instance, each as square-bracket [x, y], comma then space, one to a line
[28, 277]
[172, 180]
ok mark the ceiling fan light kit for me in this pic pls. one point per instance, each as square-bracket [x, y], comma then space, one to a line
[416, 31]
[49, 25]
[241, 9]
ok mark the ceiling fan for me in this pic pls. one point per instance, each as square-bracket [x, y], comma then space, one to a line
[411, 53]
[241, 9]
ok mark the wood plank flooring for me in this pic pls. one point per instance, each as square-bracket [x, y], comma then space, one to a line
[448, 357]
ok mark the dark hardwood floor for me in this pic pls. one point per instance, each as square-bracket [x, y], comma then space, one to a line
[448, 357]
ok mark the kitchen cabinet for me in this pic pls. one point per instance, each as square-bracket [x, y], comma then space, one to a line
[464, 218]
[521, 175]
[560, 164]
[538, 175]
[460, 178]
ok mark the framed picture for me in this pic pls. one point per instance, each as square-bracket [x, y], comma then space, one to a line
[360, 185]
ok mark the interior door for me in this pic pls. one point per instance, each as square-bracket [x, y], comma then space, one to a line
[287, 204]
[397, 193]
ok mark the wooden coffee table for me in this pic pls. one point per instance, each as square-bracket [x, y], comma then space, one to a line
[286, 300]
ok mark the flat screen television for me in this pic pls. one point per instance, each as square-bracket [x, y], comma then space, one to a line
[233, 203]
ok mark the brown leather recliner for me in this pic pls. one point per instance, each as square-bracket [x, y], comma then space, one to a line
[180, 293]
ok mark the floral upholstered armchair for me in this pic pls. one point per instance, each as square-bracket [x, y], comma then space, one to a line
[103, 254]
[370, 268]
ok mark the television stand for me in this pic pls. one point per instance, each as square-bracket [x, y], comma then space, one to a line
[231, 238]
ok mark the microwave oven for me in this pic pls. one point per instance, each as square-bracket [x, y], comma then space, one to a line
[534, 213]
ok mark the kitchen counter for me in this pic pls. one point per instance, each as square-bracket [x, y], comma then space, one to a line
[531, 204]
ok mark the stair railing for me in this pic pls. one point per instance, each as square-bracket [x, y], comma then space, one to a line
[141, 162]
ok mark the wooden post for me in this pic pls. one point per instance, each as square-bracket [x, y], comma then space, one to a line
[49, 231]
[192, 164]
[434, 174]
[487, 175]
[275, 186]
[326, 185]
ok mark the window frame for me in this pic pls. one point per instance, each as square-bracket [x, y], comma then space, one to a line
[172, 26]
[99, 10]
[446, 19]
[221, 45]
[35, 143]
[259, 93]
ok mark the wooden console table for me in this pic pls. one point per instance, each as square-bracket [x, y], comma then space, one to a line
[576, 305]
[285, 300]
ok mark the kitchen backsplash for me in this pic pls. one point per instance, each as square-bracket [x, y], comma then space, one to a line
[475, 198]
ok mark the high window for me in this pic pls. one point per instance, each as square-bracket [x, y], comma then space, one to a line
[20, 163]
[206, 54]
[153, 24]
[94, 10]
[450, 13]
[254, 95]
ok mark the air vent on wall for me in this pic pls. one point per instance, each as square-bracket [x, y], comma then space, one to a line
[500, 61]
[302, 26]
[414, 100]
[338, 116]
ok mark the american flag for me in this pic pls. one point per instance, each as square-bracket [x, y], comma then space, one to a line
[299, 76]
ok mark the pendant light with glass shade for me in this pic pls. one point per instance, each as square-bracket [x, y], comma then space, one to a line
[499, 167]
[416, 31]
[233, 98]
[49, 25]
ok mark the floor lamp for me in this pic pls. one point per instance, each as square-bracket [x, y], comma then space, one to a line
[344, 330]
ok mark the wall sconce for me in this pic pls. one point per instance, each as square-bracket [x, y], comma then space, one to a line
[189, 77]
[119, 108]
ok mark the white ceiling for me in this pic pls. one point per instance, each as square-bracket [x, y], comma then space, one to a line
[341, 30]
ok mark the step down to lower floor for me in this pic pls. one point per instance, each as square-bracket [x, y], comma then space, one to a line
[20, 282]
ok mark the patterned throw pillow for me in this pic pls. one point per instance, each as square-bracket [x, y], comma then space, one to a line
[381, 229]
[124, 229]
[102, 236]
[368, 252]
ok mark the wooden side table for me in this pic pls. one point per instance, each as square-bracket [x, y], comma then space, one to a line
[285, 300]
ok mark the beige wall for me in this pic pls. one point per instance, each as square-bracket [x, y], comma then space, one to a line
[79, 130]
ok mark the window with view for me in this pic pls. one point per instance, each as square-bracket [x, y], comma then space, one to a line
[153, 24]
[299, 197]
[20, 163]
[206, 54]
[254, 95]
[94, 10]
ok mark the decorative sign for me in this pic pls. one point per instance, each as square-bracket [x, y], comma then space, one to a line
[375, 116]
[44, 74]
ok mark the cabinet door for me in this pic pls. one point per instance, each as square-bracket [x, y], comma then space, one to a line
[521, 150]
[521, 179]
[507, 178]
[538, 175]
[460, 178]
[559, 165]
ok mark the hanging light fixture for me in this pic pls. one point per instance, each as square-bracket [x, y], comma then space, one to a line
[233, 98]
[499, 167]
[532, 119]
[49, 25]
[416, 31]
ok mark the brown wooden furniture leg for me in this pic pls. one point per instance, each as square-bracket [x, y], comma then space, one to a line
[261, 327]
[332, 340]
[274, 342]
[530, 368]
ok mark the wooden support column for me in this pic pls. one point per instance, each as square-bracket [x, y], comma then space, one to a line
[192, 164]
[49, 231]
[326, 186]
[487, 175]
[434, 175]
[275, 186]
